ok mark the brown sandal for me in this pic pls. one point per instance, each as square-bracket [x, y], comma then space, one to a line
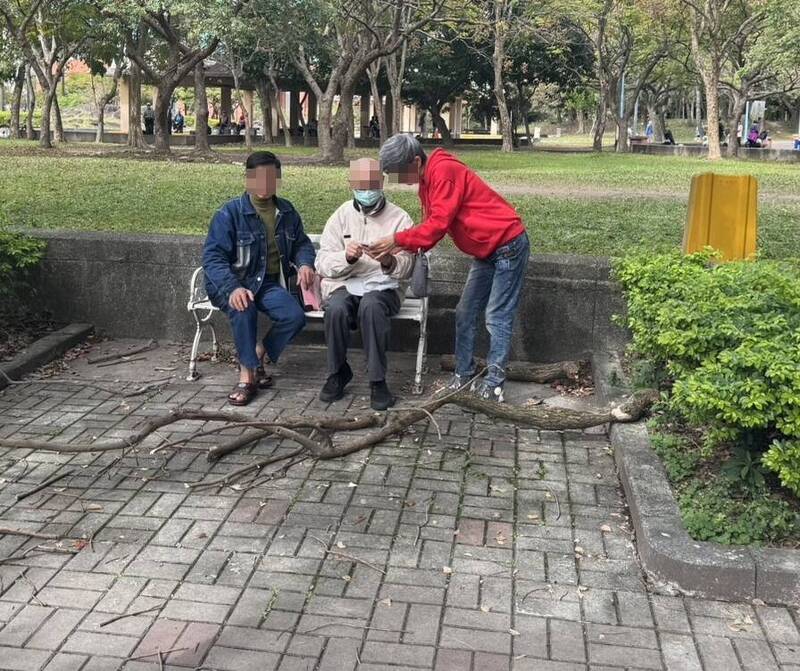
[263, 380]
[242, 393]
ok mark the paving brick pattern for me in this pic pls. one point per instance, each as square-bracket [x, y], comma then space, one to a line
[491, 548]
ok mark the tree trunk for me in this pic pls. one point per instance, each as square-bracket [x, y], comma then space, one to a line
[248, 122]
[658, 129]
[711, 82]
[600, 123]
[340, 130]
[324, 137]
[201, 145]
[262, 87]
[31, 102]
[165, 90]
[135, 134]
[441, 126]
[103, 102]
[698, 111]
[622, 134]
[16, 101]
[373, 71]
[580, 117]
[348, 118]
[287, 132]
[101, 122]
[47, 107]
[58, 136]
[736, 111]
[498, 59]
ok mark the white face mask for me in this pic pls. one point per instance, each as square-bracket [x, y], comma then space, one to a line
[367, 197]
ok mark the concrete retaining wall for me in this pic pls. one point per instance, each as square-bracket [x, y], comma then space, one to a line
[749, 153]
[137, 286]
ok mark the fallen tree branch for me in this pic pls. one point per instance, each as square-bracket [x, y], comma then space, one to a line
[314, 436]
[526, 372]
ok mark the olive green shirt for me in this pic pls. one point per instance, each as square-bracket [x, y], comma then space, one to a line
[265, 207]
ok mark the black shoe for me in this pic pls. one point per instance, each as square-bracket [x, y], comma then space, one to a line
[380, 397]
[334, 386]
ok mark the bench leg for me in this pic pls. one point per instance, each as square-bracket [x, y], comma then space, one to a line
[421, 346]
[193, 375]
[215, 343]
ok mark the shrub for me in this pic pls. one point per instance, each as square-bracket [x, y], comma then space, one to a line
[5, 117]
[728, 335]
[18, 255]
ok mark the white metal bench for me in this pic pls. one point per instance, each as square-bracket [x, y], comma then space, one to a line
[413, 309]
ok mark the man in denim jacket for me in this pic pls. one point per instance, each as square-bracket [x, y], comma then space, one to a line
[254, 244]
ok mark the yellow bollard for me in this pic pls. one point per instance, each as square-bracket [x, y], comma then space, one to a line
[723, 214]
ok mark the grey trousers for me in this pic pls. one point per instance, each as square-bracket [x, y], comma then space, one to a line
[372, 314]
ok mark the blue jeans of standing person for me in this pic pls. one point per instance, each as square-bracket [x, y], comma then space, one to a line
[283, 310]
[494, 285]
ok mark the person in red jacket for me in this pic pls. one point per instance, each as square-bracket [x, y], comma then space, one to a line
[455, 201]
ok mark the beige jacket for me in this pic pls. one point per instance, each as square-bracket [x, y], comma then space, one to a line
[348, 224]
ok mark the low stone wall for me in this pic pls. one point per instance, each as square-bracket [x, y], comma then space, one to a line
[137, 286]
[749, 153]
[176, 139]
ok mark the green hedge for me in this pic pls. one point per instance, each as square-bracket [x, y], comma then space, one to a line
[728, 338]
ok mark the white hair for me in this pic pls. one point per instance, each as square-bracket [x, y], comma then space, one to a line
[400, 150]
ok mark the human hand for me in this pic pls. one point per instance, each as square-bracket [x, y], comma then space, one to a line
[305, 275]
[240, 298]
[353, 251]
[383, 246]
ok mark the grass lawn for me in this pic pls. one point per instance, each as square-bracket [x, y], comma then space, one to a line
[86, 193]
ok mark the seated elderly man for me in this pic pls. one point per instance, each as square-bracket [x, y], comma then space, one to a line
[255, 243]
[358, 290]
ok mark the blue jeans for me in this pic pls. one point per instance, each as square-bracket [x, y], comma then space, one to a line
[493, 285]
[283, 310]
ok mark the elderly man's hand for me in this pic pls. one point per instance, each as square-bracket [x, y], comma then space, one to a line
[382, 247]
[353, 251]
[240, 298]
[306, 277]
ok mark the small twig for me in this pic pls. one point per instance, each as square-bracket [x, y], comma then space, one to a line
[119, 355]
[35, 589]
[156, 652]
[125, 360]
[257, 465]
[155, 384]
[46, 483]
[558, 505]
[355, 626]
[344, 555]
[134, 614]
[33, 534]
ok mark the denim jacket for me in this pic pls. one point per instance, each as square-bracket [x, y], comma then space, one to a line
[235, 251]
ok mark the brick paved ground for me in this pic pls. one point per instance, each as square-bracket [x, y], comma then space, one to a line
[492, 548]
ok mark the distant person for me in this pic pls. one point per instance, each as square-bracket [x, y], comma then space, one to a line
[178, 122]
[312, 128]
[255, 244]
[149, 117]
[669, 138]
[374, 128]
[224, 124]
[752, 137]
[650, 131]
[764, 139]
[739, 131]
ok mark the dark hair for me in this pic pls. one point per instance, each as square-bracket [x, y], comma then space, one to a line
[258, 158]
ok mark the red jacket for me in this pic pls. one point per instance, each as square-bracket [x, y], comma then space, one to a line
[456, 201]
